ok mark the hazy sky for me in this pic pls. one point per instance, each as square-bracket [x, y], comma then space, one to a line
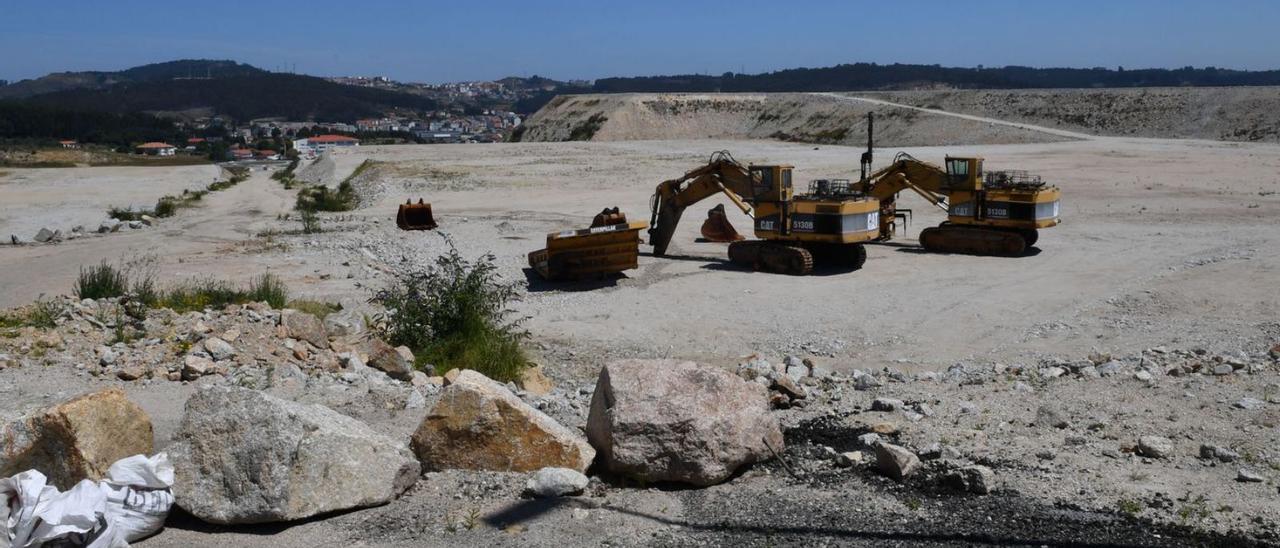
[435, 41]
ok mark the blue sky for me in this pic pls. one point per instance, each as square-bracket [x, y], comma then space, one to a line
[433, 41]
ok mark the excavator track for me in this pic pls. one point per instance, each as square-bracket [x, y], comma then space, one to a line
[843, 256]
[973, 240]
[772, 257]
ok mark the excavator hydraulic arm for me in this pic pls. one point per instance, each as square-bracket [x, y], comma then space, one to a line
[722, 174]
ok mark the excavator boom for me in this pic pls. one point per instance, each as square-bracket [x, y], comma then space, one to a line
[722, 174]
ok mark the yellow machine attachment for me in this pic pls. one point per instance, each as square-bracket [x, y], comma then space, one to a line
[988, 213]
[413, 216]
[828, 224]
[610, 246]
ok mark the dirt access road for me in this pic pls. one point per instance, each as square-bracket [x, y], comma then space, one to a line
[199, 241]
[1019, 125]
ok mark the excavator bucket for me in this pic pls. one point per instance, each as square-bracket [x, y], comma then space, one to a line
[415, 216]
[717, 227]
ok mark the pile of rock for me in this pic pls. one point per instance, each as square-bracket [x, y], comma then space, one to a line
[48, 235]
[790, 382]
[239, 345]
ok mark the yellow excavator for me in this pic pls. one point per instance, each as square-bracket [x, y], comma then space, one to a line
[827, 225]
[988, 213]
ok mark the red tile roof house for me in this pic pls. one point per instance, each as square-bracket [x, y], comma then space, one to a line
[69, 144]
[156, 149]
[242, 153]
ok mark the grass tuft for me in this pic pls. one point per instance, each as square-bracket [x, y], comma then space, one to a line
[103, 281]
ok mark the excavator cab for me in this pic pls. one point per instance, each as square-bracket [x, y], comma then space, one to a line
[771, 183]
[964, 173]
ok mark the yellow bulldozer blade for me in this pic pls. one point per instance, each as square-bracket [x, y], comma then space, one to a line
[610, 246]
[717, 227]
[415, 216]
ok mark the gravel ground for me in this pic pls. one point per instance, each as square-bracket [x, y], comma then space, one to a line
[1166, 261]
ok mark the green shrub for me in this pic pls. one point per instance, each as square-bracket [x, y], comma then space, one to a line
[42, 314]
[201, 293]
[454, 315]
[268, 288]
[322, 198]
[138, 280]
[101, 282]
[166, 207]
[588, 128]
[310, 222]
[126, 214]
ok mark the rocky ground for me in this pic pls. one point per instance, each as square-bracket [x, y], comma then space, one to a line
[1152, 447]
[1116, 386]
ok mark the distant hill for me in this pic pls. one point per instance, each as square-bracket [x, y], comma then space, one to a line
[872, 76]
[225, 88]
[186, 68]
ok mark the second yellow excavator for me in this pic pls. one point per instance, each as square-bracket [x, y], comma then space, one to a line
[828, 224]
[991, 213]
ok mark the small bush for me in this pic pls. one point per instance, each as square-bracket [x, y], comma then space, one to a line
[322, 198]
[201, 293]
[166, 207]
[268, 288]
[101, 282]
[310, 222]
[42, 314]
[587, 129]
[126, 214]
[454, 315]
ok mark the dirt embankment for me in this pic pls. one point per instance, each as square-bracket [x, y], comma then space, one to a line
[796, 117]
[1229, 114]
[1226, 113]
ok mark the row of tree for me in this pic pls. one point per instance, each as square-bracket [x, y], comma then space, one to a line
[26, 121]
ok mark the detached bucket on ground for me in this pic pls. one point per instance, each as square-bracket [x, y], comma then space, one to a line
[415, 216]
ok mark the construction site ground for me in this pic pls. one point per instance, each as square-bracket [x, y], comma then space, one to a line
[1164, 243]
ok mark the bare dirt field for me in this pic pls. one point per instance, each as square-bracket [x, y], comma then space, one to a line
[1168, 256]
[61, 198]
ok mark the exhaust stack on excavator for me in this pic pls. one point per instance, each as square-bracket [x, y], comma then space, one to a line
[867, 156]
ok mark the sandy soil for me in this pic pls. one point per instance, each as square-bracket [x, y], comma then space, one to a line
[61, 198]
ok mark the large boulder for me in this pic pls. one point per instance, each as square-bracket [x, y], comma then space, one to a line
[75, 440]
[304, 327]
[242, 456]
[480, 425]
[667, 420]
